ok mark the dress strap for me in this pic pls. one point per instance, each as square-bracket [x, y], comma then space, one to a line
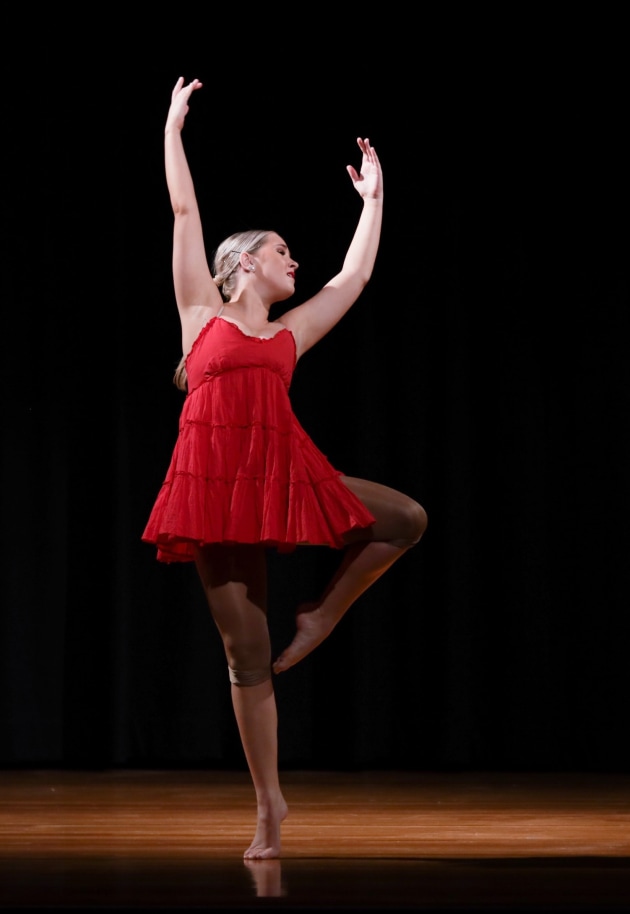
[220, 311]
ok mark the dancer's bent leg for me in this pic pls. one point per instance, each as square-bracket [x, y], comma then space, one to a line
[400, 523]
[234, 579]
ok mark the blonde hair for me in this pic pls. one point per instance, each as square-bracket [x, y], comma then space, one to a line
[224, 269]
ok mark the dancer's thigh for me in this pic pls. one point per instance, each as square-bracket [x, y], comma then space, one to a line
[235, 582]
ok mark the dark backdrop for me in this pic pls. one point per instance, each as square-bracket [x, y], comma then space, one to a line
[484, 371]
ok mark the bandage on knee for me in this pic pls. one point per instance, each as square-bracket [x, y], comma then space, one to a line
[249, 677]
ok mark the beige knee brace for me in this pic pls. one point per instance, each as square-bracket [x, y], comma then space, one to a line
[249, 677]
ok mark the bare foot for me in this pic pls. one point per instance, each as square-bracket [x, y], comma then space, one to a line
[312, 629]
[266, 843]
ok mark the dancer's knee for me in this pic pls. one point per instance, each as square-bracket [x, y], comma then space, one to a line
[413, 523]
[249, 677]
[249, 660]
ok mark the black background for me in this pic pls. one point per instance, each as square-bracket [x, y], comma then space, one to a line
[484, 371]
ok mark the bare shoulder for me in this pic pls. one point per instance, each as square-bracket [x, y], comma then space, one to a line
[296, 322]
[314, 318]
[193, 320]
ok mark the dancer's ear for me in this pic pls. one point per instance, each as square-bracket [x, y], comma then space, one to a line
[247, 263]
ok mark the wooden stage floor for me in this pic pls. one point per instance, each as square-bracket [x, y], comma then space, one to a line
[353, 841]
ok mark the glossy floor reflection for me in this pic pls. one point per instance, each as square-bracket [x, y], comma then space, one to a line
[171, 841]
[579, 885]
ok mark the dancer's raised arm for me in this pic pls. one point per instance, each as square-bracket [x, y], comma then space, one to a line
[311, 320]
[195, 291]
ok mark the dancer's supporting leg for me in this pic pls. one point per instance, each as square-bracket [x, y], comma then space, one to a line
[234, 579]
[400, 523]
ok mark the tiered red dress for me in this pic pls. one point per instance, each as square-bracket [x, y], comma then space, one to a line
[243, 470]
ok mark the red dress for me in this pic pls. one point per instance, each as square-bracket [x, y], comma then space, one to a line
[243, 470]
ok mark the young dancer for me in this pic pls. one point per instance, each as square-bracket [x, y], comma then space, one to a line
[244, 475]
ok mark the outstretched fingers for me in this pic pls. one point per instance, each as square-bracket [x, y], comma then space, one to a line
[185, 91]
[367, 180]
[179, 102]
